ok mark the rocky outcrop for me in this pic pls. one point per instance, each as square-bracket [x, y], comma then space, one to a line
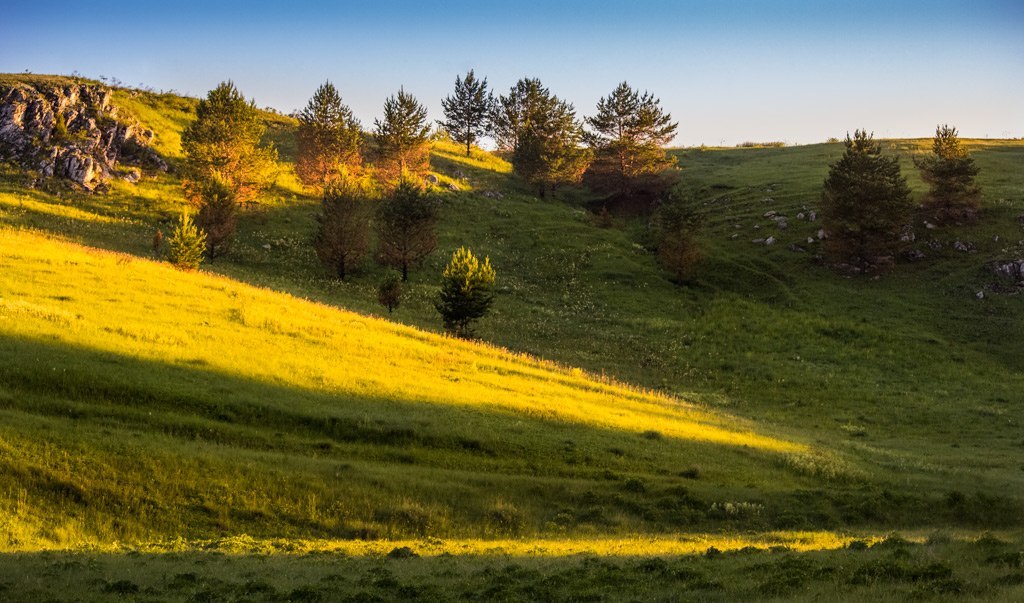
[72, 132]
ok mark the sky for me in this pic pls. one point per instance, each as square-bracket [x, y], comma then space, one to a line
[728, 71]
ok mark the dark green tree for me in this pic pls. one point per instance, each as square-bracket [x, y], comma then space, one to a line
[628, 137]
[676, 227]
[389, 293]
[186, 245]
[953, 194]
[402, 135]
[216, 216]
[542, 136]
[329, 139]
[467, 292]
[343, 234]
[467, 112]
[865, 206]
[224, 142]
[405, 226]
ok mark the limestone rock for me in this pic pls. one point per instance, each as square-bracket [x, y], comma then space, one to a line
[72, 132]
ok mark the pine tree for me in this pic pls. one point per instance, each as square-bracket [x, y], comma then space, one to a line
[467, 292]
[402, 135]
[865, 206]
[405, 227]
[329, 139]
[467, 111]
[186, 245]
[629, 133]
[953, 194]
[343, 236]
[541, 134]
[216, 216]
[676, 224]
[224, 141]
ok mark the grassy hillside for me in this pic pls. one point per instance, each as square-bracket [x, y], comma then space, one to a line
[142, 404]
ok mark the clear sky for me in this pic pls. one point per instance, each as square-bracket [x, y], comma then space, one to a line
[727, 70]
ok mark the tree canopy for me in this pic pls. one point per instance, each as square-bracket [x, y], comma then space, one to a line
[224, 143]
[402, 135]
[467, 111]
[405, 226]
[343, 233]
[329, 139]
[466, 292]
[628, 135]
[542, 135]
[953, 194]
[865, 206]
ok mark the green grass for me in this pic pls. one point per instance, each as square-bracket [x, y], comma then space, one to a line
[901, 395]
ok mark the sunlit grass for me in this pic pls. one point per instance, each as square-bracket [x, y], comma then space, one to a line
[149, 311]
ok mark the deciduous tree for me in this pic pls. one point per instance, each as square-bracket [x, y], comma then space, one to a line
[628, 135]
[865, 206]
[343, 235]
[676, 226]
[467, 292]
[953, 194]
[405, 226]
[329, 139]
[224, 142]
[467, 111]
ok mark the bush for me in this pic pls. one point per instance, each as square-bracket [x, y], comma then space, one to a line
[186, 245]
[389, 293]
[218, 211]
[676, 225]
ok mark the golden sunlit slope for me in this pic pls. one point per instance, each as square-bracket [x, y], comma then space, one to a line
[139, 401]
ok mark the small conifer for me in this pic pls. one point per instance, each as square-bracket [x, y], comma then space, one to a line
[186, 245]
[467, 292]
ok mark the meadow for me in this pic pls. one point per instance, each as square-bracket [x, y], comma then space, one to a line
[258, 413]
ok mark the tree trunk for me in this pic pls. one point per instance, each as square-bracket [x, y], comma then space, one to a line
[468, 145]
[341, 268]
[405, 272]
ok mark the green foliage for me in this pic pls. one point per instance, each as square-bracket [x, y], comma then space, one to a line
[406, 226]
[389, 293]
[676, 225]
[224, 142]
[953, 194]
[542, 135]
[329, 139]
[60, 128]
[217, 216]
[402, 136]
[467, 111]
[343, 235]
[467, 292]
[865, 206]
[186, 245]
[629, 133]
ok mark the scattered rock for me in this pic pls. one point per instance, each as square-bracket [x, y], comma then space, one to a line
[757, 226]
[769, 214]
[929, 225]
[995, 238]
[908, 236]
[758, 241]
[812, 216]
[453, 187]
[132, 175]
[980, 295]
[735, 235]
[266, 246]
[822, 235]
[1013, 269]
[801, 216]
[934, 245]
[737, 226]
[963, 246]
[432, 179]
[493, 195]
[810, 240]
[782, 224]
[913, 255]
[769, 241]
[796, 248]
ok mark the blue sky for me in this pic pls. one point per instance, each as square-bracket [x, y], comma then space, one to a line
[728, 71]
